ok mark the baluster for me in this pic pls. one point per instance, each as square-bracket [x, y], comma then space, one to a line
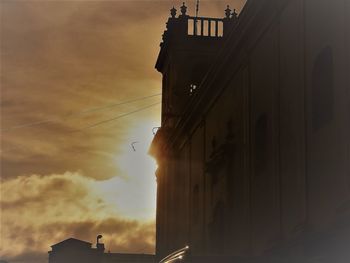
[216, 28]
[195, 27]
[209, 27]
[202, 27]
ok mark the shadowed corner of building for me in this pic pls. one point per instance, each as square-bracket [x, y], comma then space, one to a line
[74, 250]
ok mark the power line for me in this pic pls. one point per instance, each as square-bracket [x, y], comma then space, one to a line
[119, 103]
[93, 124]
[115, 118]
[73, 115]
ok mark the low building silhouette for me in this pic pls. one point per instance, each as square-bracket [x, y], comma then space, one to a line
[253, 150]
[74, 250]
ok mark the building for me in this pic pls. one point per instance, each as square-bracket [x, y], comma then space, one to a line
[74, 250]
[253, 149]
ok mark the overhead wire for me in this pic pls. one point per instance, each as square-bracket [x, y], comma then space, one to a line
[77, 114]
[96, 123]
[115, 118]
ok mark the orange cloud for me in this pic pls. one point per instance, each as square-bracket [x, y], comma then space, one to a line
[38, 211]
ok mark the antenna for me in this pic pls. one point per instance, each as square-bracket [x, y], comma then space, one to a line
[195, 20]
[197, 8]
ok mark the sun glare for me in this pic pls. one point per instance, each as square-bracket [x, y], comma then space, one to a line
[133, 192]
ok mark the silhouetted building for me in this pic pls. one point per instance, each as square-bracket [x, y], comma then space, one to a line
[253, 150]
[74, 250]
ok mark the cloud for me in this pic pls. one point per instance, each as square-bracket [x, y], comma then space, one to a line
[39, 211]
[66, 57]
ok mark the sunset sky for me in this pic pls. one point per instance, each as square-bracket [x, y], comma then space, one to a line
[67, 168]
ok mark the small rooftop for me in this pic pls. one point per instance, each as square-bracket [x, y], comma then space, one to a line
[72, 241]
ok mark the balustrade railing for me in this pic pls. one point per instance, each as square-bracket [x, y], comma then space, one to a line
[205, 26]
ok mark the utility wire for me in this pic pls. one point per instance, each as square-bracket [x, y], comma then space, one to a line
[93, 124]
[115, 118]
[73, 115]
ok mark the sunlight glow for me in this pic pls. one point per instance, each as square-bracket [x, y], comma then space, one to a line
[134, 192]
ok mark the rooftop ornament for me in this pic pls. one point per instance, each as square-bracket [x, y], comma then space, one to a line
[183, 9]
[234, 14]
[173, 12]
[228, 12]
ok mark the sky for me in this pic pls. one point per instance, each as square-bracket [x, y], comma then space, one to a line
[68, 168]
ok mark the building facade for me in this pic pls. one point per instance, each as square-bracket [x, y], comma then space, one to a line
[253, 150]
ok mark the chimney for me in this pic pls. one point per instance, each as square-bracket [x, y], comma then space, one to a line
[100, 246]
